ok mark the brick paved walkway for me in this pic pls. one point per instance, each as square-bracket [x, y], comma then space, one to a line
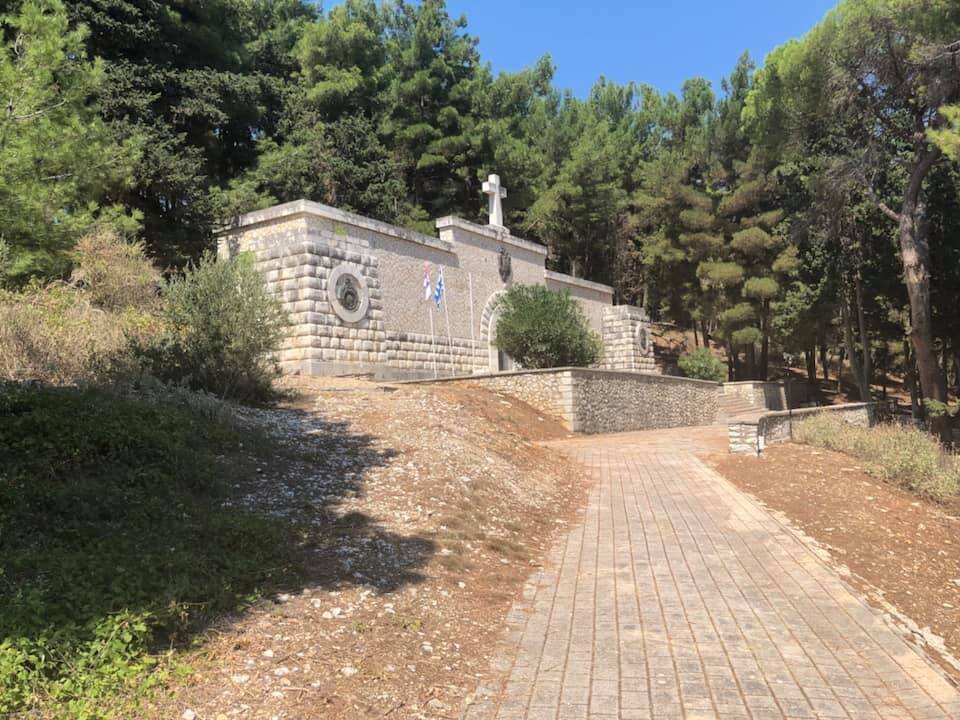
[679, 597]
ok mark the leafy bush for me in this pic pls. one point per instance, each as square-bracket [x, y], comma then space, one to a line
[115, 274]
[540, 328]
[905, 456]
[702, 365]
[116, 542]
[222, 328]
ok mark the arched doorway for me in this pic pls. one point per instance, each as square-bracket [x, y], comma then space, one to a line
[496, 360]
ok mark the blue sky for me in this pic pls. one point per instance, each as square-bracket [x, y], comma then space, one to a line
[659, 43]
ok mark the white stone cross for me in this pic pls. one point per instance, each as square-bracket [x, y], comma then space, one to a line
[496, 192]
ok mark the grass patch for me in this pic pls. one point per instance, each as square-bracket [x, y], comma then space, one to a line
[115, 544]
[902, 455]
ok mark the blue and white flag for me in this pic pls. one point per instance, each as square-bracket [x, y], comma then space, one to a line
[427, 285]
[438, 291]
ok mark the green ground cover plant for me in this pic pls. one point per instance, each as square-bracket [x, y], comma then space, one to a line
[116, 543]
[903, 455]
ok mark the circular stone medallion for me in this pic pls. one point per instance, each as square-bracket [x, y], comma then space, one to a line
[347, 292]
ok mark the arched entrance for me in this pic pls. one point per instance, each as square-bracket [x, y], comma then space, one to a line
[496, 361]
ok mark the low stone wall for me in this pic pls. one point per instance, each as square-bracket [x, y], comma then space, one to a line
[591, 400]
[752, 436]
[777, 427]
[612, 401]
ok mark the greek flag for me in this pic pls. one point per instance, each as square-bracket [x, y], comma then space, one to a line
[438, 291]
[427, 285]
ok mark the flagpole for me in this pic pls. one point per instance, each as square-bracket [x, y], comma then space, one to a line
[473, 332]
[433, 343]
[446, 312]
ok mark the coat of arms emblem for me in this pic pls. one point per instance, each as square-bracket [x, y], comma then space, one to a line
[505, 268]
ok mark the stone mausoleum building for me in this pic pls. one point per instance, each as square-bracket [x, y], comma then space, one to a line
[355, 292]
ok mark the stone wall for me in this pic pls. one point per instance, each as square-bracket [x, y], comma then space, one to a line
[594, 298]
[778, 426]
[615, 401]
[302, 248]
[752, 436]
[627, 344]
[598, 401]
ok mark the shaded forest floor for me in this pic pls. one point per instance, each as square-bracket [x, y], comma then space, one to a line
[418, 561]
[900, 551]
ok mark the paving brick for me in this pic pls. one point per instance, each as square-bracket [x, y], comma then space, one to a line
[681, 597]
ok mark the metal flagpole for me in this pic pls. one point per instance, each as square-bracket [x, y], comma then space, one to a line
[433, 343]
[446, 312]
[473, 331]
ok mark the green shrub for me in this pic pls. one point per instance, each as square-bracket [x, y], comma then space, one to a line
[905, 456]
[116, 542]
[702, 365]
[221, 330]
[540, 328]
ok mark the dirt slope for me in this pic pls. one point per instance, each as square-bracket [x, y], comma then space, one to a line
[424, 511]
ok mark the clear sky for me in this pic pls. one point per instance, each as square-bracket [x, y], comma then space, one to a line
[659, 43]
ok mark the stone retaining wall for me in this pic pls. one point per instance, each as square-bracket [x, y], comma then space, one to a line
[591, 400]
[611, 401]
[752, 436]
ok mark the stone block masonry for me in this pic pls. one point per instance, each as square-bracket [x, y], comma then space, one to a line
[353, 289]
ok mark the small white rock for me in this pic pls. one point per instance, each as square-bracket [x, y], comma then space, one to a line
[348, 670]
[240, 679]
[268, 653]
[188, 714]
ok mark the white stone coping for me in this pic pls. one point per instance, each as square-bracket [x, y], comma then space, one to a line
[308, 208]
[501, 235]
[577, 282]
[597, 372]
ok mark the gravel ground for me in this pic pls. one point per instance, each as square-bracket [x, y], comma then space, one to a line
[424, 510]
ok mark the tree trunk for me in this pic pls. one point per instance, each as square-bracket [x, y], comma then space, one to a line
[751, 361]
[856, 369]
[704, 333]
[810, 355]
[956, 371]
[910, 378]
[695, 341]
[822, 342]
[765, 342]
[915, 254]
[864, 339]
